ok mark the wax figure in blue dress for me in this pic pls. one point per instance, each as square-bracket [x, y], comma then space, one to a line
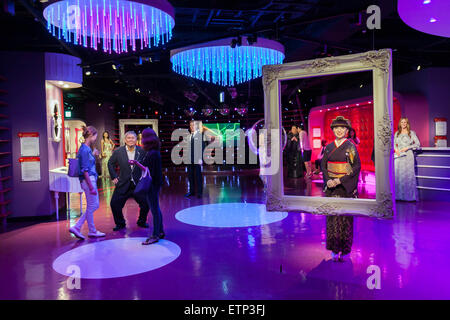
[405, 140]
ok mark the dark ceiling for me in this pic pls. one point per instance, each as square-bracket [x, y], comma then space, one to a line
[308, 29]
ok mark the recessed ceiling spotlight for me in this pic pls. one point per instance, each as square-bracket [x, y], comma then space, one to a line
[114, 67]
[60, 83]
[65, 85]
[418, 67]
[426, 1]
[433, 20]
[88, 73]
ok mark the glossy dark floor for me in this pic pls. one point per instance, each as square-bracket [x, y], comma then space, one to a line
[281, 260]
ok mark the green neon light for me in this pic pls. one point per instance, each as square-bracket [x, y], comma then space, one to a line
[220, 129]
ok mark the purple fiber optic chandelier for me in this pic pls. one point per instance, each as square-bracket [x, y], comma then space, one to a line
[219, 63]
[119, 23]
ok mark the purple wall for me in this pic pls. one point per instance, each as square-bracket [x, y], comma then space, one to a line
[27, 104]
[434, 85]
[63, 67]
[416, 108]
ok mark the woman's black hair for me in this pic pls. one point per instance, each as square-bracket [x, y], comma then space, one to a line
[350, 131]
[150, 140]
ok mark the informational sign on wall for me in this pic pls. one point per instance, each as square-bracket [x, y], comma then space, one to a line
[316, 132]
[317, 143]
[441, 127]
[29, 144]
[30, 168]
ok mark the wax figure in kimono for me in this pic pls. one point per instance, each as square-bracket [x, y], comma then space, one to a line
[340, 167]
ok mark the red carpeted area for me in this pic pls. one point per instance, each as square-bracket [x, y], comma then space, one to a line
[361, 118]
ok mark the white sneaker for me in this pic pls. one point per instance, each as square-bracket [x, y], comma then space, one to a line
[96, 234]
[77, 233]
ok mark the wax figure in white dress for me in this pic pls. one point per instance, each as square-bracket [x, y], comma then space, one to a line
[405, 140]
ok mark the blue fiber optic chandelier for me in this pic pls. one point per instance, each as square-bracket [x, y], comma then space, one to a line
[111, 25]
[220, 63]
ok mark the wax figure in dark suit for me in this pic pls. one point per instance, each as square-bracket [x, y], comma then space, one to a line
[129, 176]
[196, 161]
[294, 163]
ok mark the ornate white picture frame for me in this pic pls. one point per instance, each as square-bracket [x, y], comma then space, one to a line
[380, 64]
[141, 122]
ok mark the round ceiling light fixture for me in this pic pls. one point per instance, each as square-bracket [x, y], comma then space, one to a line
[224, 63]
[119, 23]
[429, 16]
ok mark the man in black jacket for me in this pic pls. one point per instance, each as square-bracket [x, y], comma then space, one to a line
[129, 176]
[196, 147]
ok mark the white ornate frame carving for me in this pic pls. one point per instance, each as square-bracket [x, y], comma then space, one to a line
[141, 122]
[380, 64]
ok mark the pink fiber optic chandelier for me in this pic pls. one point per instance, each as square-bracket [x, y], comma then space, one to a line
[120, 24]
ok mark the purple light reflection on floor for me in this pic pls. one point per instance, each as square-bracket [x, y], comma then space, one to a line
[412, 251]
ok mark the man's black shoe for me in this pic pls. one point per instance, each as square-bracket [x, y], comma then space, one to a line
[200, 195]
[142, 224]
[119, 227]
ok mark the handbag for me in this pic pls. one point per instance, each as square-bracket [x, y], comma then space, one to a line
[143, 186]
[74, 168]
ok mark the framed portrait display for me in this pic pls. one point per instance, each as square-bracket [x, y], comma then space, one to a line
[379, 64]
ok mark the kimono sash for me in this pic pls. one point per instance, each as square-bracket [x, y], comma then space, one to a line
[338, 169]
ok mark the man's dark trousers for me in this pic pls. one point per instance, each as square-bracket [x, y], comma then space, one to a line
[195, 179]
[118, 201]
[194, 168]
[128, 177]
